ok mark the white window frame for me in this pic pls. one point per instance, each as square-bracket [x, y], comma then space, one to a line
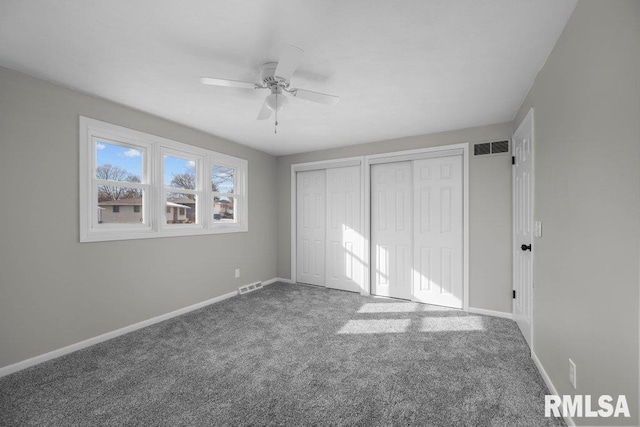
[239, 192]
[198, 192]
[154, 203]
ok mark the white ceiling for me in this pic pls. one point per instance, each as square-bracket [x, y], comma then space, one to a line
[401, 67]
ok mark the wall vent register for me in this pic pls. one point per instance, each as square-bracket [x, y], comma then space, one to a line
[491, 148]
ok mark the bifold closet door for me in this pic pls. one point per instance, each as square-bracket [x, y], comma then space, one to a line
[391, 229]
[438, 235]
[310, 227]
[344, 229]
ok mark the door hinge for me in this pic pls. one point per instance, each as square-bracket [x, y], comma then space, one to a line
[513, 160]
[514, 294]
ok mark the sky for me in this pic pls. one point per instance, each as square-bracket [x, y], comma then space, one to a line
[131, 160]
[123, 157]
[176, 166]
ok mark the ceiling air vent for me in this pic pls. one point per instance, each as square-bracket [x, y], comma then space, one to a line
[491, 148]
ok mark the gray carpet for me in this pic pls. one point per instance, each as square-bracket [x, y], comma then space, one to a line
[292, 355]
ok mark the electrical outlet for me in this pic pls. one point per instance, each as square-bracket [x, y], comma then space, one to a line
[537, 228]
[572, 373]
[237, 273]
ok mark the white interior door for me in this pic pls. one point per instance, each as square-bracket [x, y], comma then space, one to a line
[310, 227]
[523, 228]
[391, 229]
[344, 231]
[438, 231]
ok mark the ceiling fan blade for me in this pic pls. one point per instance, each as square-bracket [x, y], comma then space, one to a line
[228, 83]
[289, 61]
[320, 98]
[265, 112]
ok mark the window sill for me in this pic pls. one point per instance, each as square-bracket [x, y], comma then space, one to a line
[132, 235]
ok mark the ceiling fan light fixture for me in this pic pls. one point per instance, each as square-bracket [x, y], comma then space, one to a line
[276, 101]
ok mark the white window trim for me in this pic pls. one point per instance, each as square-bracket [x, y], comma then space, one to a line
[239, 192]
[154, 210]
[198, 192]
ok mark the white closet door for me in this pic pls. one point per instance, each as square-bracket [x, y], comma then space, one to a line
[344, 230]
[310, 240]
[391, 229]
[438, 235]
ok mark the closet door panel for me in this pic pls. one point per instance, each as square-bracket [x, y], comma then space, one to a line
[310, 227]
[438, 237]
[391, 229]
[344, 229]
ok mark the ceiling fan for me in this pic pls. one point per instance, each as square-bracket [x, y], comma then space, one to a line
[276, 77]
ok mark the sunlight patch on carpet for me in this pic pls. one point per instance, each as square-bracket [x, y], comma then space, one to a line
[375, 326]
[447, 324]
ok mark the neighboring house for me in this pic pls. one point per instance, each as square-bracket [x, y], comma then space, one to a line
[179, 214]
[130, 210]
[120, 211]
[223, 208]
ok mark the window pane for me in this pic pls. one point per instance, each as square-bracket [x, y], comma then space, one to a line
[119, 205]
[117, 163]
[181, 208]
[222, 179]
[179, 173]
[223, 209]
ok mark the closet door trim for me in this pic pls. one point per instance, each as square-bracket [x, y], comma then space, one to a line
[416, 156]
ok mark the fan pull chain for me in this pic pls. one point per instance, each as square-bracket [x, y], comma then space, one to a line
[275, 128]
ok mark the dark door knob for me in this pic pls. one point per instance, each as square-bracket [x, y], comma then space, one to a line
[526, 247]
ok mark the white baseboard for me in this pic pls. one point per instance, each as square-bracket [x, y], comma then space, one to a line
[494, 313]
[550, 386]
[277, 279]
[10, 369]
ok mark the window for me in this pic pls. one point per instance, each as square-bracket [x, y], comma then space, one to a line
[222, 190]
[118, 181]
[182, 187]
[135, 185]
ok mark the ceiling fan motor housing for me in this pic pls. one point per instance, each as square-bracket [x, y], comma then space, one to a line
[268, 77]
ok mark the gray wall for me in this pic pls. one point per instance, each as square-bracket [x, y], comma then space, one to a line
[587, 194]
[489, 208]
[55, 291]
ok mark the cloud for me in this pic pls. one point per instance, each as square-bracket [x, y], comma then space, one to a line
[132, 153]
[191, 163]
[100, 146]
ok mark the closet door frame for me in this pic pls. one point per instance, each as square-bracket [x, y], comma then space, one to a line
[407, 155]
[320, 165]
